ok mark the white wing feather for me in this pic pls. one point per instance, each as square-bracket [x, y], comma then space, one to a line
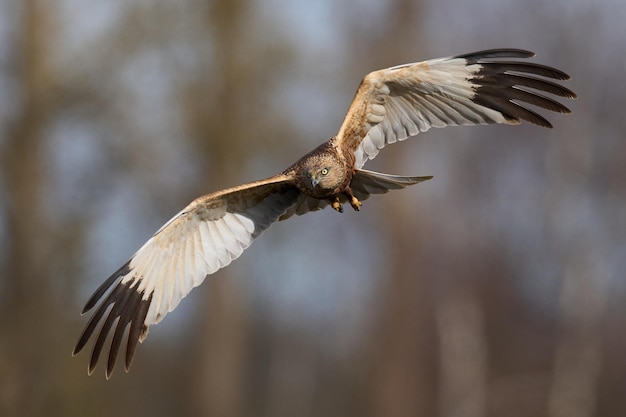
[399, 102]
[207, 235]
[438, 93]
[171, 264]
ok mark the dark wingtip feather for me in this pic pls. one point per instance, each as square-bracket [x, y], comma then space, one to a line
[102, 289]
[524, 80]
[497, 53]
[123, 297]
[91, 326]
[505, 85]
[125, 305]
[138, 330]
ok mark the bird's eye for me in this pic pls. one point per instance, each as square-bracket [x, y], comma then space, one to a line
[324, 171]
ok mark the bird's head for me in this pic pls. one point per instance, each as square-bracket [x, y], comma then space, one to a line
[323, 174]
[319, 176]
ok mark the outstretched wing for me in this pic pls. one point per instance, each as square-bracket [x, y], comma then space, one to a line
[398, 102]
[364, 183]
[205, 236]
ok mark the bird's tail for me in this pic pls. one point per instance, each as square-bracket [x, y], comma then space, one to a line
[365, 183]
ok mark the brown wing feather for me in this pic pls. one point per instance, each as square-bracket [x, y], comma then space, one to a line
[399, 102]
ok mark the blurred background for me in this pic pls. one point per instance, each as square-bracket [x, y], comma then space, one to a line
[496, 289]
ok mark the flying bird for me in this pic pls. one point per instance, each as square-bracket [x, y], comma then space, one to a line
[486, 87]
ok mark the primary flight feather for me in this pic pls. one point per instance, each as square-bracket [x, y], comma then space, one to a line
[390, 105]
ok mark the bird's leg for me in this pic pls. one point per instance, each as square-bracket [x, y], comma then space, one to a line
[354, 202]
[336, 204]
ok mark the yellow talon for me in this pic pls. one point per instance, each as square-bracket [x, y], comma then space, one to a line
[337, 205]
[355, 203]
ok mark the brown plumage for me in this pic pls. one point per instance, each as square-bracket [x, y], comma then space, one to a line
[390, 105]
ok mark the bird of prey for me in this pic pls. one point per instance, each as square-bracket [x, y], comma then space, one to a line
[486, 87]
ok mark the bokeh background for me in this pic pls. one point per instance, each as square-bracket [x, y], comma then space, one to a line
[496, 289]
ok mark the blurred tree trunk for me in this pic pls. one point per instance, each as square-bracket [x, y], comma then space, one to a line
[578, 353]
[213, 124]
[25, 304]
[402, 370]
[22, 163]
[401, 379]
[462, 354]
[230, 122]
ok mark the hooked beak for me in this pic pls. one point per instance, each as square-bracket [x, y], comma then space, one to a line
[314, 181]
